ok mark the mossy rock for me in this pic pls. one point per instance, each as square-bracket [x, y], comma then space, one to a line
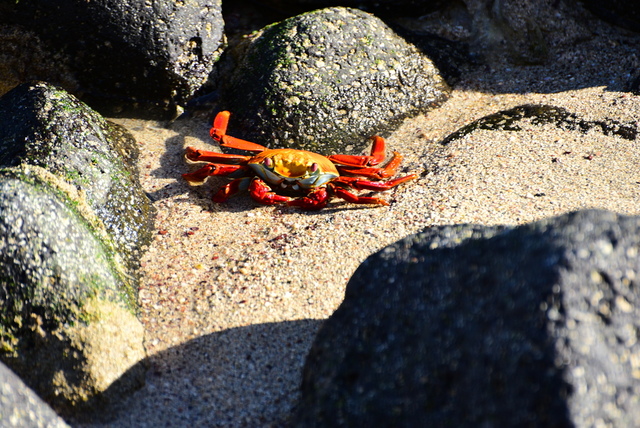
[44, 126]
[326, 81]
[67, 302]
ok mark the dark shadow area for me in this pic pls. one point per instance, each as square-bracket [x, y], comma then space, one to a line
[241, 376]
[598, 54]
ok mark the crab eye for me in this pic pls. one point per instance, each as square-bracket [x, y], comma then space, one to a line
[314, 167]
[268, 162]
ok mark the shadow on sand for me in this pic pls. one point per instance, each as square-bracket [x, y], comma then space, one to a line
[200, 383]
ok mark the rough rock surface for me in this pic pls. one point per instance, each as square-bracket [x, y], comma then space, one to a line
[20, 407]
[73, 224]
[129, 57]
[68, 324]
[326, 81]
[472, 326]
[518, 118]
[44, 126]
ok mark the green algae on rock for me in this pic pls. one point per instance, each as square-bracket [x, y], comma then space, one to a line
[44, 126]
[59, 282]
[73, 223]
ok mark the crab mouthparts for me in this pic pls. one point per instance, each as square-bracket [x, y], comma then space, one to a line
[289, 183]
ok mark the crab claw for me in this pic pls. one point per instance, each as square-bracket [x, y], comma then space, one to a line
[315, 200]
[263, 194]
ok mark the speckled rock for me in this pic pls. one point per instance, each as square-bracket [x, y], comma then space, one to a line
[67, 319]
[124, 57]
[327, 80]
[473, 326]
[44, 126]
[20, 407]
[73, 222]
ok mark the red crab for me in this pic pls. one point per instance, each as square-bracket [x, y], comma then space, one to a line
[276, 176]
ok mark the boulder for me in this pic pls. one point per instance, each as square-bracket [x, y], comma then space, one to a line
[20, 407]
[326, 81]
[73, 223]
[122, 58]
[43, 125]
[467, 326]
[67, 321]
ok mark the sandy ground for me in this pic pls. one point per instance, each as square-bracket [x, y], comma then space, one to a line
[234, 293]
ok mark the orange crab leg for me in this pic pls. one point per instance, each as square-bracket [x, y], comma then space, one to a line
[237, 143]
[388, 171]
[263, 194]
[231, 189]
[219, 133]
[360, 184]
[220, 122]
[212, 169]
[354, 199]
[377, 155]
[196, 155]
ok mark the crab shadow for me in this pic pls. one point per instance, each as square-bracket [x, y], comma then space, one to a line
[172, 163]
[249, 373]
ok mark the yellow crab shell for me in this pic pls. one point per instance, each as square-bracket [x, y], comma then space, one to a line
[293, 169]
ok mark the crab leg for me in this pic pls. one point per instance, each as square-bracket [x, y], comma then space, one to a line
[377, 155]
[354, 199]
[198, 177]
[315, 200]
[380, 173]
[221, 121]
[360, 184]
[195, 155]
[237, 143]
[263, 194]
[219, 133]
[231, 189]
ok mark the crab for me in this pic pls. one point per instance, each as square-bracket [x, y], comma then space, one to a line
[294, 177]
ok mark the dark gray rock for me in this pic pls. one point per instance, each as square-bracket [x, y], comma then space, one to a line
[67, 319]
[25, 56]
[73, 222]
[44, 126]
[471, 326]
[326, 81]
[524, 32]
[20, 407]
[132, 57]
[393, 7]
